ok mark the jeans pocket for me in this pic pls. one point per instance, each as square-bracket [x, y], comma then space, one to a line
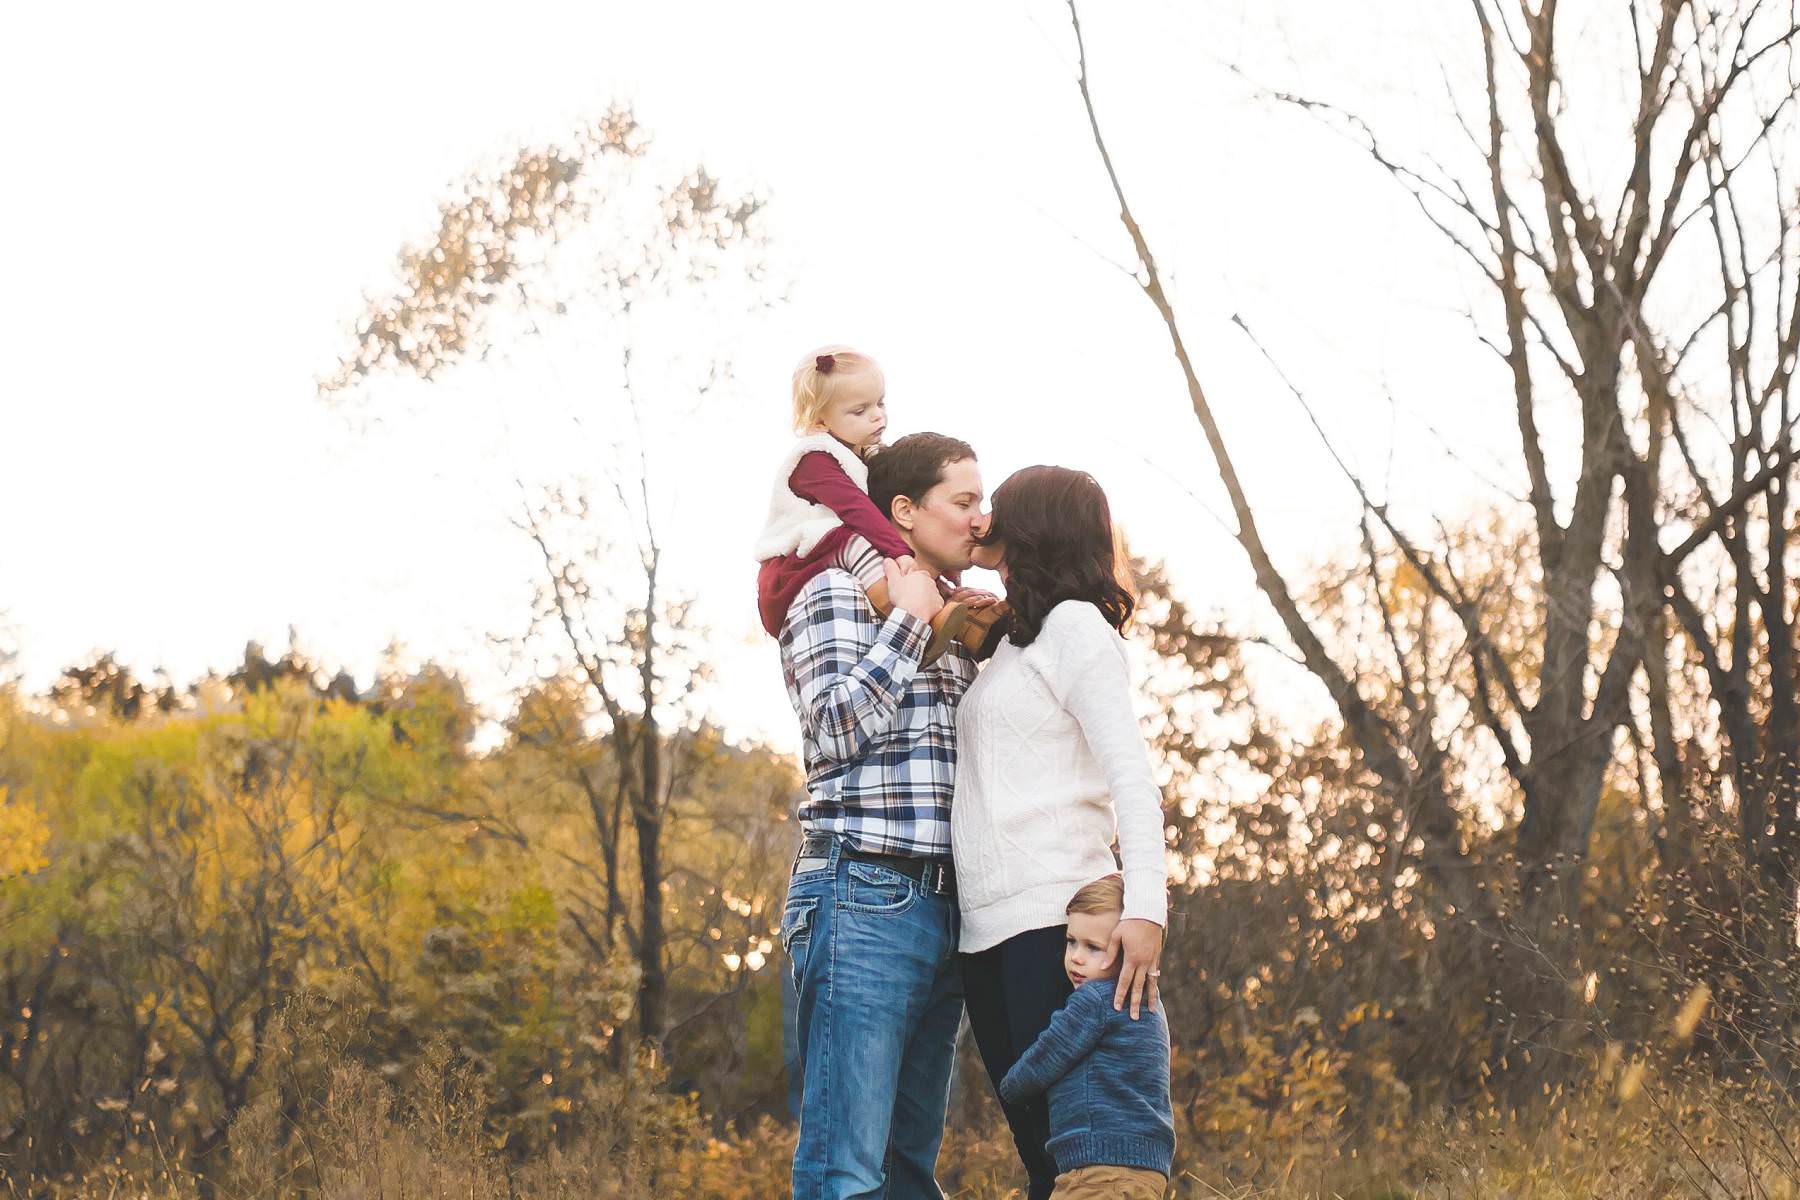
[796, 931]
[872, 889]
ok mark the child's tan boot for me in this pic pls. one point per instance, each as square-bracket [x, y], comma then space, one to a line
[954, 623]
[945, 626]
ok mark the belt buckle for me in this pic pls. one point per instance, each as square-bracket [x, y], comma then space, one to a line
[811, 857]
[937, 879]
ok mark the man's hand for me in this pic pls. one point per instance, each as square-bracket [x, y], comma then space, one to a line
[912, 590]
[1140, 941]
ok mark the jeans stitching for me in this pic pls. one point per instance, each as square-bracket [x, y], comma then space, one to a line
[830, 980]
[821, 970]
[910, 892]
[805, 912]
[817, 1038]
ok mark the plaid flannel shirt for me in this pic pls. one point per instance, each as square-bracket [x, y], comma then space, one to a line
[879, 731]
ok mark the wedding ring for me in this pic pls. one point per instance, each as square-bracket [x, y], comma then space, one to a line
[1154, 974]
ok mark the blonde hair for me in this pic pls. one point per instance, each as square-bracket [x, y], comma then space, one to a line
[1105, 895]
[821, 375]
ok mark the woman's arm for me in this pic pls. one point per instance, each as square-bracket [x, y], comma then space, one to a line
[1094, 686]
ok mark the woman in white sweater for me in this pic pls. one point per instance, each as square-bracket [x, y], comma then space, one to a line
[1051, 768]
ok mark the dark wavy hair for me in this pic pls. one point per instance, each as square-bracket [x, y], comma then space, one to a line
[1057, 533]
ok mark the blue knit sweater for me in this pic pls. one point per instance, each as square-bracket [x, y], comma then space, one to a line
[1108, 1079]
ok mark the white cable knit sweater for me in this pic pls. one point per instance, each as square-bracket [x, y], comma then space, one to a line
[1050, 764]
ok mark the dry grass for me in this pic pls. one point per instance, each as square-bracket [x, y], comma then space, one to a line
[1625, 1137]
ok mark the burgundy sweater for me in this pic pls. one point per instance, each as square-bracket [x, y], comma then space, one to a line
[819, 478]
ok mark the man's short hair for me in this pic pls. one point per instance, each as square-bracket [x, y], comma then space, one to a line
[913, 466]
[1105, 895]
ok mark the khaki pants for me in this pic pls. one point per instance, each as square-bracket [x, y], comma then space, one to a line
[1111, 1183]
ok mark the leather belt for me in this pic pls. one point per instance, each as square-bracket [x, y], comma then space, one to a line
[936, 875]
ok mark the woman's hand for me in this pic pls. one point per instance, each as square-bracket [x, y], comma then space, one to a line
[1140, 942]
[975, 598]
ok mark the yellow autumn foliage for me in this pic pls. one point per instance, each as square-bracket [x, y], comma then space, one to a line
[24, 838]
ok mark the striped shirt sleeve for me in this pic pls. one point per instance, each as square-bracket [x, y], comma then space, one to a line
[862, 560]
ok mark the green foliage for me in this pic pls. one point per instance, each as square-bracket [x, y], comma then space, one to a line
[296, 937]
[191, 893]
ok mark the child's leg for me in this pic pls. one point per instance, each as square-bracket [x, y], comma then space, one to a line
[945, 626]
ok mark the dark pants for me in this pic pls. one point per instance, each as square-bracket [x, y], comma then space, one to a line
[1012, 990]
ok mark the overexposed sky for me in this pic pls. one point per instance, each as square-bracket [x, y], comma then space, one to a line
[201, 195]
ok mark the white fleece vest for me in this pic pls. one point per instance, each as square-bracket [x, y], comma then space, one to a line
[794, 526]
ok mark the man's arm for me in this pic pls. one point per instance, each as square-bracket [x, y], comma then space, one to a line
[962, 674]
[1073, 1033]
[848, 672]
[820, 478]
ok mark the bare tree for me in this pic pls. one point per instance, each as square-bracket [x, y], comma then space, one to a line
[567, 245]
[1581, 326]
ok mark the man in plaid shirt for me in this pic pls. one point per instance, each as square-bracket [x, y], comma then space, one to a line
[870, 923]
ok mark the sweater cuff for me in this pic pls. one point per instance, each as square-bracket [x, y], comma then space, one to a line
[1146, 897]
[905, 634]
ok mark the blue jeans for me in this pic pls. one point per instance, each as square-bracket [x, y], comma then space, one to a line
[878, 997]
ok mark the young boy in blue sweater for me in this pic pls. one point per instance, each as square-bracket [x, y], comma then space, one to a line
[1111, 1130]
